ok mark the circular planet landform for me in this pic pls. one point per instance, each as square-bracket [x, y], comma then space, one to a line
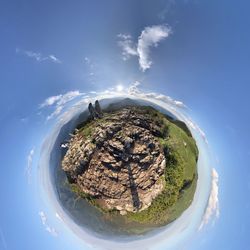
[125, 167]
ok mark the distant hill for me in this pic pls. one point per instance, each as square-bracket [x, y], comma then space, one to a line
[127, 102]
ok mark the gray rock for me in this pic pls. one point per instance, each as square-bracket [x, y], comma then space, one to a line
[123, 166]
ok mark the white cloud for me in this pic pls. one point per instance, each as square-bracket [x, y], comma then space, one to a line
[57, 112]
[43, 217]
[91, 67]
[165, 98]
[38, 56]
[54, 59]
[29, 164]
[52, 231]
[150, 37]
[86, 60]
[68, 97]
[198, 129]
[59, 101]
[59, 217]
[124, 36]
[24, 119]
[64, 145]
[48, 228]
[51, 100]
[213, 201]
[166, 9]
[126, 43]
[134, 90]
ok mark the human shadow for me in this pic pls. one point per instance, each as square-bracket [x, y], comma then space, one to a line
[133, 189]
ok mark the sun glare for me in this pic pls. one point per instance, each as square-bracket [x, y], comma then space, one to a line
[119, 88]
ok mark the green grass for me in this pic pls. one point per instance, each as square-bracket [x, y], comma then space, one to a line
[89, 198]
[87, 130]
[181, 156]
[75, 188]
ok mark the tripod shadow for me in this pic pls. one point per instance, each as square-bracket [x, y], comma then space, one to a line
[134, 192]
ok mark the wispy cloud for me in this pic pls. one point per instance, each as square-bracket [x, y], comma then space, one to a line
[91, 68]
[168, 6]
[48, 228]
[150, 37]
[128, 48]
[4, 243]
[198, 129]
[56, 112]
[51, 100]
[87, 60]
[59, 101]
[59, 217]
[28, 169]
[213, 202]
[54, 59]
[38, 56]
[134, 89]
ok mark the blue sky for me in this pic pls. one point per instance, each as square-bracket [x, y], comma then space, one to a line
[50, 48]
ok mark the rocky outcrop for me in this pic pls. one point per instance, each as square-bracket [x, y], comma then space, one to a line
[95, 112]
[120, 161]
[98, 108]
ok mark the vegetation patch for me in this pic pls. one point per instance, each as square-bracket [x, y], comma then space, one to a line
[181, 155]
